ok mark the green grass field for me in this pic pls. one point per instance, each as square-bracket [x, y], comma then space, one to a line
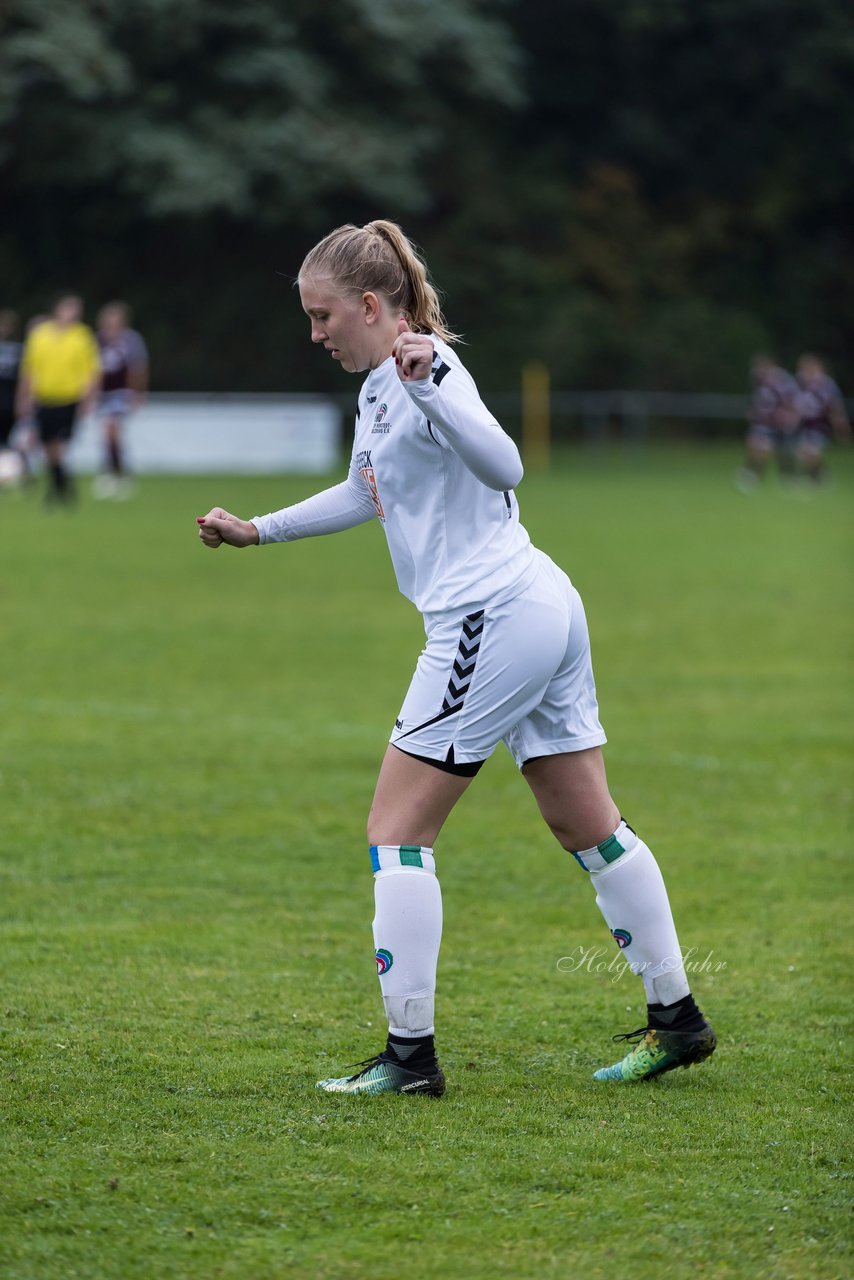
[188, 743]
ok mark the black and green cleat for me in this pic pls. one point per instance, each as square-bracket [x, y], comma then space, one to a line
[657, 1051]
[379, 1075]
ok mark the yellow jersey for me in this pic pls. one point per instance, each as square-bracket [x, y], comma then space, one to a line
[60, 363]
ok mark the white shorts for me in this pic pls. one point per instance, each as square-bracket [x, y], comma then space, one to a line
[518, 673]
[116, 404]
[813, 441]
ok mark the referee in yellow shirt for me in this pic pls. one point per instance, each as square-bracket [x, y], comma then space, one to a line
[60, 375]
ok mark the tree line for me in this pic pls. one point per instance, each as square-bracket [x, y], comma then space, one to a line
[638, 192]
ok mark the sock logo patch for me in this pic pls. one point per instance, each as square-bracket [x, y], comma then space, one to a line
[384, 961]
[622, 937]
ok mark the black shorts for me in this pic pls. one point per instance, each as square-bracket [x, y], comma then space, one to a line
[55, 421]
[449, 764]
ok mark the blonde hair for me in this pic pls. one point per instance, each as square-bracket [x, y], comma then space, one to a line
[379, 258]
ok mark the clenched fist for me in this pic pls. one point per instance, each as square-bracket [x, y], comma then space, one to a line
[220, 526]
[413, 353]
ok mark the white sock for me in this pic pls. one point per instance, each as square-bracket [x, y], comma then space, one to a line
[631, 895]
[407, 932]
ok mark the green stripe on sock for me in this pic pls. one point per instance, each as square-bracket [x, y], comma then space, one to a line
[610, 849]
[410, 855]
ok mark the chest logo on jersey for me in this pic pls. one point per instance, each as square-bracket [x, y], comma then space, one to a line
[381, 427]
[366, 471]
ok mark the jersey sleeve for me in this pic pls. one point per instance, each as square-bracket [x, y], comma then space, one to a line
[342, 507]
[137, 351]
[450, 402]
[92, 352]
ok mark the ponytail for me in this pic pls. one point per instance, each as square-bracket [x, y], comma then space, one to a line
[379, 258]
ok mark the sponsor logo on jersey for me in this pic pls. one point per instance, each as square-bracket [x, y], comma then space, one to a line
[366, 471]
[622, 937]
[381, 427]
[384, 960]
[398, 724]
[367, 474]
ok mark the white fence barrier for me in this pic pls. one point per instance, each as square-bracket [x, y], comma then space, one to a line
[237, 434]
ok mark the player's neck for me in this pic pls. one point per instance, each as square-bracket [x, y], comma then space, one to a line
[380, 353]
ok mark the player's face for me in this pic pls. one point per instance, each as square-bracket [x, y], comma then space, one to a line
[810, 370]
[339, 322]
[68, 311]
[111, 321]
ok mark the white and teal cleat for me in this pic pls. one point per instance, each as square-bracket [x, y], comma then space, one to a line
[378, 1075]
[657, 1051]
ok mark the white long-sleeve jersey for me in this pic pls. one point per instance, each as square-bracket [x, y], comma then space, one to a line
[430, 461]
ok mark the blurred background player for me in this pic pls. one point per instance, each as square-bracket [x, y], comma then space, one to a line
[25, 436]
[822, 416]
[60, 376]
[10, 364]
[124, 383]
[772, 418]
[14, 460]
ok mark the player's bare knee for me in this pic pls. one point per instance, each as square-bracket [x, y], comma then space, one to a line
[384, 828]
[562, 834]
[572, 837]
[584, 831]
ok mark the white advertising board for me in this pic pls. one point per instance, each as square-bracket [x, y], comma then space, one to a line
[238, 434]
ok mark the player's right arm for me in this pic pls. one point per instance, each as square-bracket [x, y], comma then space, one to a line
[341, 507]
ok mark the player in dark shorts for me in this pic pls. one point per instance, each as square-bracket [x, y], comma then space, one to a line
[822, 416]
[60, 377]
[10, 364]
[772, 418]
[124, 383]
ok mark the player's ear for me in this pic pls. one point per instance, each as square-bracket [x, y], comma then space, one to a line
[373, 307]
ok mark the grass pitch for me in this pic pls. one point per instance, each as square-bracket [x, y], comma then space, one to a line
[188, 743]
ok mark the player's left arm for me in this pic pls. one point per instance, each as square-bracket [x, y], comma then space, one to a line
[788, 413]
[24, 398]
[92, 357]
[839, 420]
[449, 400]
[139, 367]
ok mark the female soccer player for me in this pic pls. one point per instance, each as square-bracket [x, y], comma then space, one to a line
[124, 362]
[823, 416]
[507, 656]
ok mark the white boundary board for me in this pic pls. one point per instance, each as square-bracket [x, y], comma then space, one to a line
[225, 433]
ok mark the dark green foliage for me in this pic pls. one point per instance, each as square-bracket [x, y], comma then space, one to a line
[640, 193]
